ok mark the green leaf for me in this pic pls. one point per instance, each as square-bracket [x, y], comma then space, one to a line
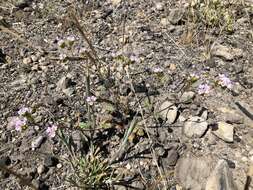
[84, 125]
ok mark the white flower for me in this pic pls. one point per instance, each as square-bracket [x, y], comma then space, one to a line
[91, 100]
[17, 123]
[158, 70]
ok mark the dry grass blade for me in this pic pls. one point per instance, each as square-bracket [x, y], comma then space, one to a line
[123, 144]
[81, 31]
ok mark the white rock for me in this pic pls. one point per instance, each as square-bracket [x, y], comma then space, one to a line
[225, 132]
[27, 60]
[115, 2]
[59, 165]
[168, 112]
[34, 58]
[195, 127]
[40, 169]
[159, 6]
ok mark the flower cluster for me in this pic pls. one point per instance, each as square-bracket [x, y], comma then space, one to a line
[51, 131]
[204, 89]
[19, 122]
[91, 100]
[224, 81]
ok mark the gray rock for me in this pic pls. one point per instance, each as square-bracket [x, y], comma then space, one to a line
[192, 172]
[5, 161]
[65, 85]
[138, 185]
[195, 127]
[221, 178]
[168, 112]
[160, 151]
[225, 132]
[50, 161]
[187, 97]
[77, 139]
[68, 91]
[226, 53]
[37, 142]
[176, 15]
[120, 187]
[172, 157]
[41, 168]
[230, 115]
[21, 4]
[204, 115]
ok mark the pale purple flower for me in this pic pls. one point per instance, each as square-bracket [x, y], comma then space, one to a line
[17, 123]
[157, 70]
[204, 89]
[24, 110]
[51, 131]
[224, 81]
[91, 100]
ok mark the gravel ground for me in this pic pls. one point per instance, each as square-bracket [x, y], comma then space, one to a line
[184, 83]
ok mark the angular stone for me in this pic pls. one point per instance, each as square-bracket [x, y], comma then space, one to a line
[172, 157]
[27, 60]
[195, 127]
[231, 115]
[176, 15]
[37, 142]
[51, 161]
[168, 112]
[187, 97]
[192, 172]
[221, 178]
[225, 132]
[226, 52]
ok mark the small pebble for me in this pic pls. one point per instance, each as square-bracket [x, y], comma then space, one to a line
[37, 142]
[59, 165]
[27, 60]
[40, 169]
